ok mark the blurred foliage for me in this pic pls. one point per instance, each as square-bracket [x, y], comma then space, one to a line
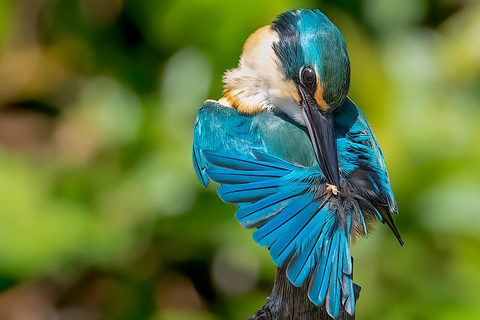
[101, 216]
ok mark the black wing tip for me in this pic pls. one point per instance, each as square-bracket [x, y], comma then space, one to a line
[201, 176]
[396, 233]
[204, 181]
[385, 213]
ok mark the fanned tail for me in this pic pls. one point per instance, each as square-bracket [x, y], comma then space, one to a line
[332, 282]
[301, 224]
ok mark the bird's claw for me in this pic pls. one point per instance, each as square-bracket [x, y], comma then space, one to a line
[332, 188]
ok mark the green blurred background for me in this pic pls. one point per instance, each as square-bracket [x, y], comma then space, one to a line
[101, 215]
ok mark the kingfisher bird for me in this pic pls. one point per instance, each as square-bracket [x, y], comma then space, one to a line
[298, 157]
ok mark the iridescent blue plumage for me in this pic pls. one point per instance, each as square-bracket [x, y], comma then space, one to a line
[266, 163]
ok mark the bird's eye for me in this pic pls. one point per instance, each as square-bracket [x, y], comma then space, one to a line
[307, 76]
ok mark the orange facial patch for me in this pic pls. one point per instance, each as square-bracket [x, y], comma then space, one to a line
[322, 104]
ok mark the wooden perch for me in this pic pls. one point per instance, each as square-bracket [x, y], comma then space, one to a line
[287, 302]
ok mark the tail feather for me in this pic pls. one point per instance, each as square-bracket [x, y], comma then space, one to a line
[317, 288]
[332, 283]
[332, 300]
[349, 294]
[325, 276]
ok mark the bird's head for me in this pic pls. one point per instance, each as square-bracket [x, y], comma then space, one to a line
[299, 67]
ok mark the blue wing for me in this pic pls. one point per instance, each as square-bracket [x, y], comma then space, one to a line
[363, 165]
[222, 129]
[282, 192]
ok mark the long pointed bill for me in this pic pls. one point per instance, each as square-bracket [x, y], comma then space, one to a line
[322, 135]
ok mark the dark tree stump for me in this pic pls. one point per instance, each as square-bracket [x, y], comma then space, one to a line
[287, 302]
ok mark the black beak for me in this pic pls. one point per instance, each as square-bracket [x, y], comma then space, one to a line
[322, 135]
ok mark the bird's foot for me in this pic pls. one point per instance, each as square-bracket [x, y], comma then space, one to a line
[332, 188]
